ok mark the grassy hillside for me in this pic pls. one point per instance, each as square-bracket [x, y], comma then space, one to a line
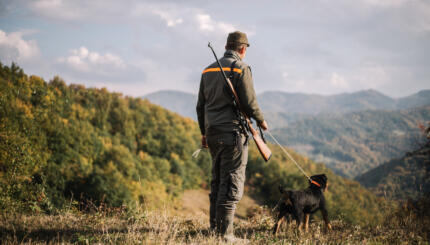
[407, 177]
[60, 144]
[117, 226]
[353, 143]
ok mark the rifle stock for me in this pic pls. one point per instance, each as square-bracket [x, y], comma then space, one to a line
[264, 150]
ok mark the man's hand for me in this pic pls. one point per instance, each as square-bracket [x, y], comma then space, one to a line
[204, 143]
[263, 125]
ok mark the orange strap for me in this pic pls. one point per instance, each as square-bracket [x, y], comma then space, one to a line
[315, 183]
[237, 70]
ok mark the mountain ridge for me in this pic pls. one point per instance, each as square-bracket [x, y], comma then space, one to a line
[301, 103]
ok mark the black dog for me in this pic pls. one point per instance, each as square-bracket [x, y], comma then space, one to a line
[300, 204]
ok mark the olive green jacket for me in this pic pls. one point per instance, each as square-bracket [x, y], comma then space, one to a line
[215, 110]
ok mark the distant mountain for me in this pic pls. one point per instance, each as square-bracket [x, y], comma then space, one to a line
[355, 142]
[295, 106]
[419, 99]
[402, 178]
[341, 103]
[176, 101]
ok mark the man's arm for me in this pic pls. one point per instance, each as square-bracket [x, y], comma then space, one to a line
[247, 97]
[200, 108]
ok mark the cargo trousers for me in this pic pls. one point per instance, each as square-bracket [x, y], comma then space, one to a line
[229, 152]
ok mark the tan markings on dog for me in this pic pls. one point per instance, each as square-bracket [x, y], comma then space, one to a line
[306, 224]
[326, 186]
[278, 225]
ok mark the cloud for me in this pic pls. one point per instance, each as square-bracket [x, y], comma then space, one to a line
[169, 12]
[170, 20]
[83, 60]
[206, 24]
[13, 48]
[337, 81]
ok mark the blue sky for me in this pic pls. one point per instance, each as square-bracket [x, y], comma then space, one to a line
[138, 47]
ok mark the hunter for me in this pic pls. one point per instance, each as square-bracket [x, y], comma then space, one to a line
[222, 132]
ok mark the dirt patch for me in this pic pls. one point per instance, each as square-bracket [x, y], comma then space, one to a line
[196, 202]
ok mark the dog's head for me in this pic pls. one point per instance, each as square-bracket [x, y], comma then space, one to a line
[320, 181]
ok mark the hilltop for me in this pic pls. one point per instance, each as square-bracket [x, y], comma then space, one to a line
[299, 104]
[66, 142]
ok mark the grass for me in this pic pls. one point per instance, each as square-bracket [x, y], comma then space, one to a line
[119, 226]
[188, 224]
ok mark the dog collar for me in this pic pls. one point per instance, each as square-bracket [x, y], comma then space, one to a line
[315, 183]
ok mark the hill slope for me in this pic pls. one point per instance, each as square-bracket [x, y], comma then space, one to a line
[59, 143]
[403, 178]
[355, 142]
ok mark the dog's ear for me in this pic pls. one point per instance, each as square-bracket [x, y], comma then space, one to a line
[281, 190]
[324, 177]
[324, 181]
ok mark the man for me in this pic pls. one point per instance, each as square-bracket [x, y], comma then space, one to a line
[222, 133]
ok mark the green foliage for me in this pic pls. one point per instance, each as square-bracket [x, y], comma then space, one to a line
[59, 142]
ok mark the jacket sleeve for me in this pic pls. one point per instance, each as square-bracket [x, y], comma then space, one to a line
[247, 97]
[201, 108]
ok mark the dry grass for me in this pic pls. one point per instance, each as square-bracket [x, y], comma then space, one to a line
[189, 225]
[167, 228]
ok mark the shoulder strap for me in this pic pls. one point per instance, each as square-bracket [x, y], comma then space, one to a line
[231, 76]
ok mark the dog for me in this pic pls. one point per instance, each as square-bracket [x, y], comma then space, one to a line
[302, 203]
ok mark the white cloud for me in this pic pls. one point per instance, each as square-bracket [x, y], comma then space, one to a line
[205, 23]
[13, 48]
[191, 19]
[86, 61]
[168, 18]
[338, 81]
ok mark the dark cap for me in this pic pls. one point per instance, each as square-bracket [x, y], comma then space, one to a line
[237, 37]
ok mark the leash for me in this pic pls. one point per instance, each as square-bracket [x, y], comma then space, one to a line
[289, 156]
[197, 152]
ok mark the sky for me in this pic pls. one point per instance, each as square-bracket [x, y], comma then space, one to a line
[138, 47]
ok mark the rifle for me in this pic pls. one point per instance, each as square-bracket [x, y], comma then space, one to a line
[243, 118]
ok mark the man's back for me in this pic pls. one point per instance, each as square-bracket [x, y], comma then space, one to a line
[215, 105]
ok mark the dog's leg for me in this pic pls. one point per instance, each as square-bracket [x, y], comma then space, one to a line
[281, 217]
[325, 217]
[278, 225]
[298, 215]
[306, 224]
